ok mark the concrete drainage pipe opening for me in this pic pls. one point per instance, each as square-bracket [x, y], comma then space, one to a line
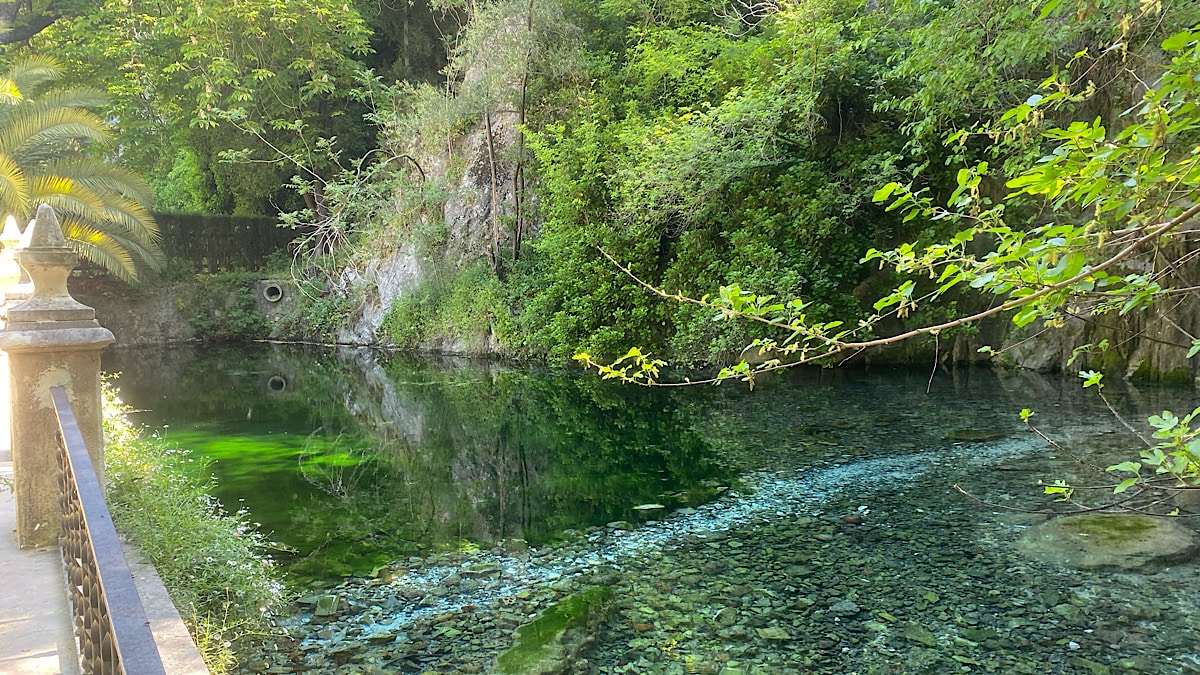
[272, 292]
[276, 383]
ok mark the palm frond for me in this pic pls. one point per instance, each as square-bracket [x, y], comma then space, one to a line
[10, 94]
[100, 248]
[101, 206]
[150, 256]
[97, 206]
[74, 97]
[102, 176]
[28, 143]
[40, 137]
[67, 197]
[136, 223]
[14, 188]
[117, 218]
[34, 72]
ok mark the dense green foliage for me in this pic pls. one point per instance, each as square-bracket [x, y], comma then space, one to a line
[701, 145]
[459, 309]
[241, 108]
[221, 307]
[185, 81]
[1115, 201]
[213, 562]
[687, 146]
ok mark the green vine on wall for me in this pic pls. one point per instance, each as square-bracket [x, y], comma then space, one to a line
[221, 308]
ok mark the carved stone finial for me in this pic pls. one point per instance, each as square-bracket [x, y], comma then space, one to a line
[11, 234]
[23, 242]
[44, 255]
[45, 230]
[10, 271]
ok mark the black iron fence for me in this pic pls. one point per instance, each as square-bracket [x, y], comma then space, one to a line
[111, 628]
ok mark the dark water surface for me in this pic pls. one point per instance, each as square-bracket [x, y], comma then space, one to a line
[813, 525]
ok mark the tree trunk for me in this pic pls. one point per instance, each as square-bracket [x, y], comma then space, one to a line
[494, 258]
[404, 46]
[314, 199]
[519, 172]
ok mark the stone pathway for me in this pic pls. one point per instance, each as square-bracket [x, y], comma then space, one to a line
[35, 624]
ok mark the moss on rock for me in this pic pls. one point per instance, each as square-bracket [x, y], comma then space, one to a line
[1146, 372]
[1118, 541]
[550, 643]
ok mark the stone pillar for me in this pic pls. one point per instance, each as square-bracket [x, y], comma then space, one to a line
[50, 339]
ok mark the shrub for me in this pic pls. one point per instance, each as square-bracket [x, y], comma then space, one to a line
[213, 563]
[221, 308]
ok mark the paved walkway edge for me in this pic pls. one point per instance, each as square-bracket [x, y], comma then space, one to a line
[36, 636]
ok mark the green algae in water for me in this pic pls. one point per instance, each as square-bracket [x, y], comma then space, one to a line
[1114, 528]
[349, 472]
[545, 642]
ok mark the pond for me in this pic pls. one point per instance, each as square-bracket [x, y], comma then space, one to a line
[829, 521]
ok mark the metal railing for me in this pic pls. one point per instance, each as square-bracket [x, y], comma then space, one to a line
[111, 628]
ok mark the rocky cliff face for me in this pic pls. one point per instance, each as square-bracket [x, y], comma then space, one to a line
[1147, 343]
[466, 217]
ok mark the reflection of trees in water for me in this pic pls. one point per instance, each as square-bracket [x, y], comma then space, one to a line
[409, 450]
[338, 479]
[535, 452]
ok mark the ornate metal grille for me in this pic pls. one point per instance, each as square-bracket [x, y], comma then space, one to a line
[110, 624]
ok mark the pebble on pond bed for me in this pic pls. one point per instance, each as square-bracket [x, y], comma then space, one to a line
[934, 580]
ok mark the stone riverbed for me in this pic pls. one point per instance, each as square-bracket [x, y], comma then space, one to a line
[841, 564]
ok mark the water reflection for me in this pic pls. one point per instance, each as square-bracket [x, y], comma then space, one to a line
[353, 459]
[843, 547]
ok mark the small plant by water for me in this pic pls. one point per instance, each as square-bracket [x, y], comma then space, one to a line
[213, 563]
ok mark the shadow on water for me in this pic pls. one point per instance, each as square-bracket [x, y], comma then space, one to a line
[353, 458]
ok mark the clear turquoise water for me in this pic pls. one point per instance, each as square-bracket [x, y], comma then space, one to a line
[358, 460]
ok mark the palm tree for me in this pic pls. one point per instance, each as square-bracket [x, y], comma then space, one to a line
[47, 136]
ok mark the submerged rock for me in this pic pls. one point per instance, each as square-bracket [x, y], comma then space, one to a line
[550, 644]
[327, 605]
[844, 608]
[918, 634]
[1120, 541]
[773, 633]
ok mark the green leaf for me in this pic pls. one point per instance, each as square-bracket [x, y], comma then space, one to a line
[1126, 467]
[1195, 348]
[1125, 485]
[884, 192]
[1025, 316]
[1178, 41]
[1048, 8]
